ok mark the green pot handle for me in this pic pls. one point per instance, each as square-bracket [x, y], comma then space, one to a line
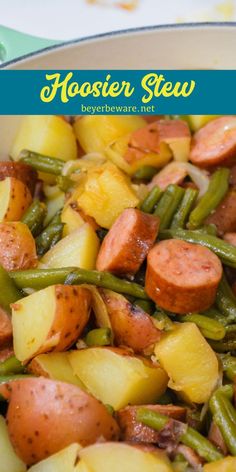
[14, 44]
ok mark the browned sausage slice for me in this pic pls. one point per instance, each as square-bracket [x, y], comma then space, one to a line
[216, 438]
[132, 430]
[224, 217]
[20, 171]
[182, 277]
[131, 326]
[127, 243]
[215, 143]
[5, 329]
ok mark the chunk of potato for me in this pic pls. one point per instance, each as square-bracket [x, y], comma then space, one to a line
[55, 200]
[49, 320]
[78, 249]
[117, 150]
[118, 378]
[189, 361]
[17, 246]
[72, 219]
[198, 121]
[95, 132]
[55, 366]
[45, 416]
[45, 134]
[228, 464]
[9, 461]
[65, 460]
[120, 457]
[15, 198]
[107, 192]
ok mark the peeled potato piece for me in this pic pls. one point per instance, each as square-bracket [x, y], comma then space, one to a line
[189, 361]
[15, 198]
[120, 457]
[45, 134]
[65, 460]
[17, 246]
[228, 464]
[9, 461]
[94, 133]
[56, 366]
[78, 249]
[116, 377]
[49, 320]
[45, 416]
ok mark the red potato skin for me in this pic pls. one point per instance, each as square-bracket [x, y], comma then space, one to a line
[216, 438]
[127, 243]
[6, 353]
[45, 416]
[22, 198]
[72, 315]
[224, 217]
[5, 329]
[230, 238]
[149, 138]
[134, 431]
[17, 247]
[20, 171]
[182, 277]
[215, 143]
[131, 326]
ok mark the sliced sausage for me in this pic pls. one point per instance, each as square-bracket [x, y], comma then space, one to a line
[224, 217]
[127, 243]
[215, 143]
[131, 326]
[132, 430]
[230, 238]
[173, 173]
[20, 171]
[191, 456]
[182, 277]
[5, 329]
[149, 138]
[216, 438]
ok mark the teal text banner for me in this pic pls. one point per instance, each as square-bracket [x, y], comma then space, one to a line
[73, 92]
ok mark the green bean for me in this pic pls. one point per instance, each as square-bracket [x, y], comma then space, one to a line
[164, 322]
[99, 337]
[215, 315]
[41, 278]
[34, 216]
[218, 186]
[11, 377]
[168, 205]
[146, 305]
[50, 165]
[225, 251]
[224, 416]
[64, 183]
[230, 332]
[151, 200]
[180, 464]
[184, 209]
[9, 293]
[11, 366]
[227, 390]
[109, 408]
[223, 346]
[145, 173]
[190, 437]
[229, 366]
[50, 235]
[207, 229]
[226, 301]
[210, 328]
